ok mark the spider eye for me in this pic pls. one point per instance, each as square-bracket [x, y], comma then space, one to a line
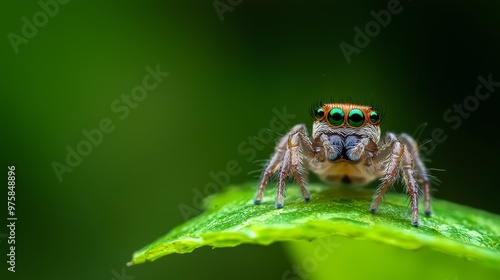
[319, 113]
[374, 117]
[356, 118]
[336, 116]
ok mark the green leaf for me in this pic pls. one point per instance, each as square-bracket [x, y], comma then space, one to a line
[231, 219]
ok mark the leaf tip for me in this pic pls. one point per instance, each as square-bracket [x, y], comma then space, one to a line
[137, 258]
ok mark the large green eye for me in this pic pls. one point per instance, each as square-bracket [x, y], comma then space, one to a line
[319, 113]
[356, 118]
[336, 116]
[374, 117]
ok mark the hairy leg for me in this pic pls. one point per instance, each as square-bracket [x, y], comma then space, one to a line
[288, 157]
[292, 163]
[420, 170]
[392, 163]
[284, 171]
[271, 167]
[411, 184]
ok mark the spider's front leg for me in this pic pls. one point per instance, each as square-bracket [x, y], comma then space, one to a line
[399, 159]
[420, 170]
[288, 158]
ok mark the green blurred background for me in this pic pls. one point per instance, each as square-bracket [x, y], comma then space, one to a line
[225, 79]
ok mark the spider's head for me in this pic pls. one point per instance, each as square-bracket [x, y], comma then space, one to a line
[346, 119]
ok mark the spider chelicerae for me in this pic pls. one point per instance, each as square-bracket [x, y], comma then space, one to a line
[345, 147]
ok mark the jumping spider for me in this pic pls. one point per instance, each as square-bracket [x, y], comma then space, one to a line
[346, 148]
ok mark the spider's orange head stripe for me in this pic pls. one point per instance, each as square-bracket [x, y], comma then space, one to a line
[347, 107]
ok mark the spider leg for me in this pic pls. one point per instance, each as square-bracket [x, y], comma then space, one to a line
[411, 184]
[288, 158]
[420, 170]
[296, 147]
[391, 169]
[283, 174]
[271, 167]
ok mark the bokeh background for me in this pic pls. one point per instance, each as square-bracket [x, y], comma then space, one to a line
[226, 77]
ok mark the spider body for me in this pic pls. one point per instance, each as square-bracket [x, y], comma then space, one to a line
[345, 147]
